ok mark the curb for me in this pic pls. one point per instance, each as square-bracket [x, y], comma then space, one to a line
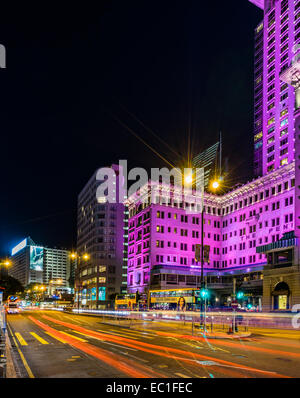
[229, 337]
[10, 367]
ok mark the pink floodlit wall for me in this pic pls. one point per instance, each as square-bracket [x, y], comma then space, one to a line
[297, 176]
[253, 215]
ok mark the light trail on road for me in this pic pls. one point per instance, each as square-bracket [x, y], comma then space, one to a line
[156, 350]
[111, 359]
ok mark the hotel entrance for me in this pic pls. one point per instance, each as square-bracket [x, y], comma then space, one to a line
[281, 296]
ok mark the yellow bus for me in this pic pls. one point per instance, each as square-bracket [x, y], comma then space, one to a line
[125, 302]
[174, 299]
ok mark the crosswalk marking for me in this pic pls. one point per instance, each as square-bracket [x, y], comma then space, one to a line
[20, 338]
[39, 338]
[57, 338]
[117, 334]
[74, 337]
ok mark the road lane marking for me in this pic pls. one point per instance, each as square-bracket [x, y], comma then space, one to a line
[25, 363]
[133, 356]
[182, 375]
[74, 337]
[119, 346]
[56, 338]
[86, 335]
[129, 334]
[20, 338]
[39, 338]
[105, 342]
[117, 334]
[74, 320]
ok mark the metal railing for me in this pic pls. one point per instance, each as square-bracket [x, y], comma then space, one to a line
[219, 321]
[2, 342]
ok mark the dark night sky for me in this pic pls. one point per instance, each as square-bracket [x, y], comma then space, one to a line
[177, 65]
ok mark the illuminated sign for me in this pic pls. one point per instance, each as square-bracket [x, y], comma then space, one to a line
[36, 258]
[19, 247]
[101, 293]
[83, 296]
[93, 293]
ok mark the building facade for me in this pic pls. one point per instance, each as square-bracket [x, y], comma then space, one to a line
[101, 235]
[163, 237]
[32, 263]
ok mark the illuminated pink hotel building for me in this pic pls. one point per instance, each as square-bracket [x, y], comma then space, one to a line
[252, 231]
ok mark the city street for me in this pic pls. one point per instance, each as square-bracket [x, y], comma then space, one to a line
[58, 344]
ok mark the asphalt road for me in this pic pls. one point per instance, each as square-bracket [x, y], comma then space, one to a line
[57, 344]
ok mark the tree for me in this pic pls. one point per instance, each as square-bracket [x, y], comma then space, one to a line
[11, 286]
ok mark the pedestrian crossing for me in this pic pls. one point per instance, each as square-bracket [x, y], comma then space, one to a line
[39, 338]
[26, 338]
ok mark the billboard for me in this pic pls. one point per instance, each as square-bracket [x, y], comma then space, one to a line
[83, 296]
[19, 247]
[36, 258]
[93, 293]
[101, 293]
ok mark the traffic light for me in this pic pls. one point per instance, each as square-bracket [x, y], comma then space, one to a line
[249, 306]
[204, 293]
[240, 295]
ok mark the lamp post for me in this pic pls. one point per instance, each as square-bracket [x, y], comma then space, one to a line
[215, 185]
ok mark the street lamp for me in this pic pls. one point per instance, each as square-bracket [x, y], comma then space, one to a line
[215, 185]
[188, 179]
[6, 263]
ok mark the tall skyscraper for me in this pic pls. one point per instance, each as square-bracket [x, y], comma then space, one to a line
[208, 161]
[102, 236]
[274, 133]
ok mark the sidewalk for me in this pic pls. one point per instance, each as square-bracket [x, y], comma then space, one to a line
[10, 367]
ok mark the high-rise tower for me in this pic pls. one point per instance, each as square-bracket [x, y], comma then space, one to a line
[274, 141]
